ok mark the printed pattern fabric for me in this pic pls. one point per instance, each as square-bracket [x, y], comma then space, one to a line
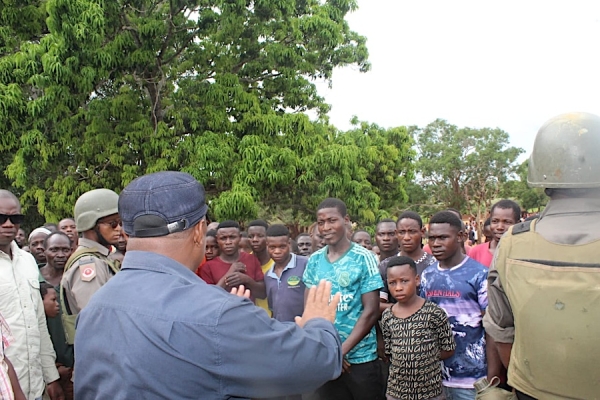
[353, 274]
[6, 392]
[421, 266]
[414, 345]
[462, 292]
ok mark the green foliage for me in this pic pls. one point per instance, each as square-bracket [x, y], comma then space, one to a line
[530, 199]
[111, 90]
[420, 200]
[464, 168]
[367, 167]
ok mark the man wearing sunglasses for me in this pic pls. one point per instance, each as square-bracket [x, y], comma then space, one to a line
[31, 352]
[89, 267]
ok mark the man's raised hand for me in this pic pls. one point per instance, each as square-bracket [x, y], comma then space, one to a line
[318, 304]
[241, 291]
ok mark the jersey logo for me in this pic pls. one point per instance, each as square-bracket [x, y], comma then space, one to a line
[344, 279]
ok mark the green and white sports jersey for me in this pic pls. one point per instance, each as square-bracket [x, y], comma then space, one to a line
[353, 274]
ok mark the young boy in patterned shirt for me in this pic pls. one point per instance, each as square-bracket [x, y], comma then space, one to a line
[417, 335]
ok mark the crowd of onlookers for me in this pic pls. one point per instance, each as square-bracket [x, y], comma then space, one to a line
[412, 295]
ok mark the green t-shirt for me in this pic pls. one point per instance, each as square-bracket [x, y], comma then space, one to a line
[353, 274]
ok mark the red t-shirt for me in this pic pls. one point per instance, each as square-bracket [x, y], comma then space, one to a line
[216, 268]
[481, 253]
[200, 266]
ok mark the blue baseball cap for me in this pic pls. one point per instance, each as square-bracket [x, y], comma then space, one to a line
[161, 203]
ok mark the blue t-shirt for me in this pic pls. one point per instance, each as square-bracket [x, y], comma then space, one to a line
[285, 293]
[462, 292]
[353, 274]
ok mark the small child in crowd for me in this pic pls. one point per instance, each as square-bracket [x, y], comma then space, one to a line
[51, 306]
[417, 335]
[52, 310]
[212, 248]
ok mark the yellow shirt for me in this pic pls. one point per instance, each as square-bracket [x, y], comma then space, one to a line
[263, 303]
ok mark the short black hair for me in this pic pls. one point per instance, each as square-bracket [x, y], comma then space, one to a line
[454, 210]
[51, 226]
[259, 222]
[402, 260]
[44, 287]
[212, 233]
[332, 202]
[54, 234]
[228, 224]
[358, 231]
[411, 215]
[302, 234]
[447, 217]
[487, 222]
[507, 204]
[384, 221]
[278, 230]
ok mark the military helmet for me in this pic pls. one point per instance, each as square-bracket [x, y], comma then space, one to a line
[93, 205]
[566, 153]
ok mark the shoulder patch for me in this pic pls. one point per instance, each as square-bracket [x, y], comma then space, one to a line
[87, 271]
[521, 227]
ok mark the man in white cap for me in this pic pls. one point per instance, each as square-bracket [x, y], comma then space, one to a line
[36, 245]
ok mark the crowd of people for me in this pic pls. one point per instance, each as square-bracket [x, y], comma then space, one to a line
[391, 291]
[138, 295]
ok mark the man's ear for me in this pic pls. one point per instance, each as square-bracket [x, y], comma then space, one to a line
[200, 231]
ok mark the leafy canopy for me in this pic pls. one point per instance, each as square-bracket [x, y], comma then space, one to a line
[464, 168]
[106, 91]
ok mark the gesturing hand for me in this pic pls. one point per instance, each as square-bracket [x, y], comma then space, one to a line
[318, 304]
[241, 291]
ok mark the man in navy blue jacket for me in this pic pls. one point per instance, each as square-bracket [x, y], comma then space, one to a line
[157, 331]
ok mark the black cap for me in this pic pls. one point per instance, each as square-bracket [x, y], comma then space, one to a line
[161, 203]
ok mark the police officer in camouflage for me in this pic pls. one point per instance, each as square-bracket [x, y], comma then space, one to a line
[89, 267]
[544, 283]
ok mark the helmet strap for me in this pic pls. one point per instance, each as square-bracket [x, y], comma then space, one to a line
[101, 238]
